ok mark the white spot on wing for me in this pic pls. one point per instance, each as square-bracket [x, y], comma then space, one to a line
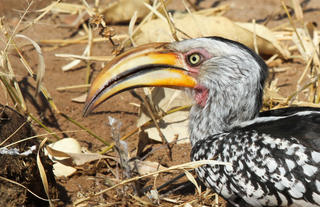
[258, 193]
[260, 172]
[290, 164]
[315, 156]
[272, 165]
[264, 152]
[309, 170]
[279, 185]
[297, 190]
[290, 151]
[229, 168]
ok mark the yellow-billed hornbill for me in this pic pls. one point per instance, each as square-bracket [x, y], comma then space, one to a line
[275, 155]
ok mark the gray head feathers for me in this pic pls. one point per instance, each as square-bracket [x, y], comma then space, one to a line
[235, 77]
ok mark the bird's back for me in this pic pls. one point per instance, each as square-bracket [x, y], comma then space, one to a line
[302, 123]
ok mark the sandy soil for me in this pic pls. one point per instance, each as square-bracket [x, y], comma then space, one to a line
[94, 177]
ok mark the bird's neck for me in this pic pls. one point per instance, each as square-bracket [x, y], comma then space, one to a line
[224, 109]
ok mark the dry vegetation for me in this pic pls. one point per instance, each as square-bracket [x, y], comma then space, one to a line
[108, 168]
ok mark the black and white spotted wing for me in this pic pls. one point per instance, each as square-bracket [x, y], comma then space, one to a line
[275, 161]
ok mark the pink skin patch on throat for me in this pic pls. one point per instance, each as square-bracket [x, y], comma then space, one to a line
[201, 95]
[201, 92]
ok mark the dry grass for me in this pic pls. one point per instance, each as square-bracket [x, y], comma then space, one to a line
[300, 38]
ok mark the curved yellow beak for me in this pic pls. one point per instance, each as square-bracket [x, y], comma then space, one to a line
[148, 65]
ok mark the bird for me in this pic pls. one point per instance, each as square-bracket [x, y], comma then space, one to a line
[274, 155]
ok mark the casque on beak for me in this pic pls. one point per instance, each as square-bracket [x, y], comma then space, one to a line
[148, 65]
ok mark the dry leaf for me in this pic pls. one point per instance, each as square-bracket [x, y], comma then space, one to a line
[64, 8]
[61, 170]
[306, 46]
[175, 123]
[77, 158]
[146, 167]
[66, 145]
[66, 153]
[82, 158]
[195, 25]
[122, 10]
[80, 99]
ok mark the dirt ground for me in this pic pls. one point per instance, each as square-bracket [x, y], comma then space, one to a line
[95, 177]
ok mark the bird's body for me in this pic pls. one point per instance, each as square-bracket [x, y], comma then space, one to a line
[274, 155]
[268, 168]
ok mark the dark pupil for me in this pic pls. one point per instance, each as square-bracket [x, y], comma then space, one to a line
[194, 59]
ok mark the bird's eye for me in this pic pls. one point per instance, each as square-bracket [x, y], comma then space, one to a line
[194, 59]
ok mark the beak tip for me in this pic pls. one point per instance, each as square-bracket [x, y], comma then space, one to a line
[87, 108]
[89, 104]
[85, 112]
